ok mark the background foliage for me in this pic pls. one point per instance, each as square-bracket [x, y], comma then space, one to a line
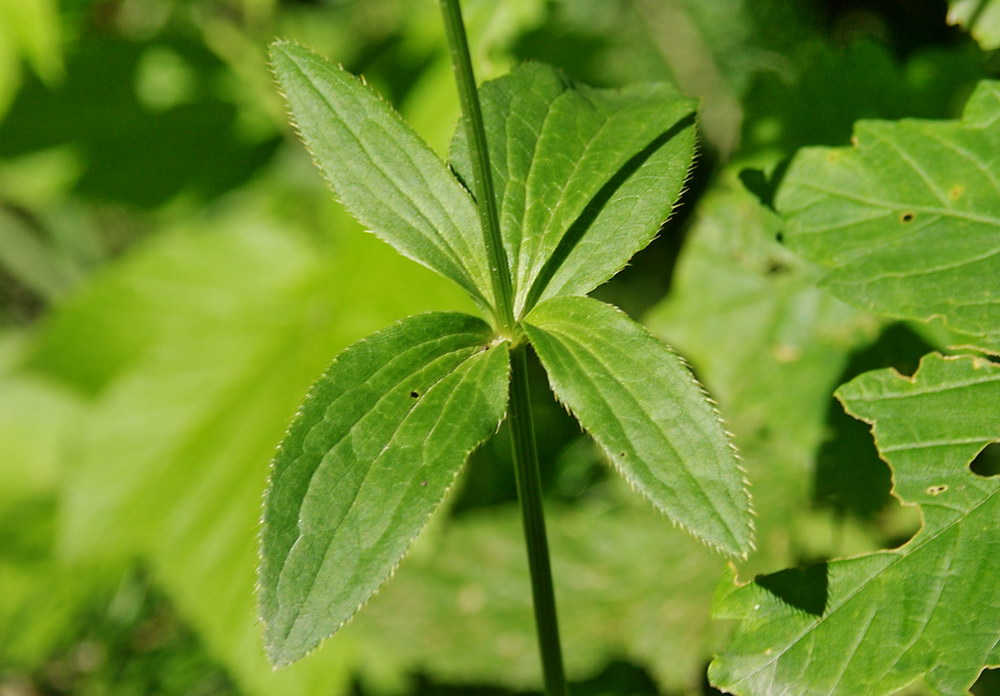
[173, 273]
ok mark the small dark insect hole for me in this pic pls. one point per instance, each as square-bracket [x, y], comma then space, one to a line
[621, 454]
[780, 237]
[414, 394]
[907, 217]
[936, 490]
[775, 267]
[987, 462]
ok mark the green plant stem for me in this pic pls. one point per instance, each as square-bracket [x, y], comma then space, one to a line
[529, 487]
[529, 492]
[482, 175]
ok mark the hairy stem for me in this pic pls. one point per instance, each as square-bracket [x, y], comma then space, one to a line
[482, 183]
[529, 492]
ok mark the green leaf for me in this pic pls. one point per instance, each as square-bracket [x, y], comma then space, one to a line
[376, 445]
[981, 18]
[908, 220]
[642, 405]
[382, 171]
[875, 623]
[584, 177]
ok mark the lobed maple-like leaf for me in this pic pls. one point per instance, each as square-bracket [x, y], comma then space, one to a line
[876, 623]
[908, 219]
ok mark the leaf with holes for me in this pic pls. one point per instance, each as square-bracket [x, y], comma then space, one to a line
[584, 177]
[908, 220]
[643, 406]
[376, 445]
[931, 608]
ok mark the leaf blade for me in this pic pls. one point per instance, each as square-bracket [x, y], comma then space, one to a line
[381, 170]
[643, 406]
[927, 609]
[378, 442]
[584, 176]
[908, 220]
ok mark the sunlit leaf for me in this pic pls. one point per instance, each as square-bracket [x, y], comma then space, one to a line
[584, 177]
[642, 405]
[376, 444]
[382, 171]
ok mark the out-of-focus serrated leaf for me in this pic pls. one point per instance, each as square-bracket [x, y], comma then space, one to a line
[981, 18]
[876, 623]
[206, 342]
[908, 220]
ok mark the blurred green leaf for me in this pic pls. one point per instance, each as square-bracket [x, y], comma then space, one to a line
[29, 29]
[382, 171]
[129, 151]
[377, 443]
[628, 586]
[907, 220]
[981, 18]
[205, 343]
[877, 622]
[642, 405]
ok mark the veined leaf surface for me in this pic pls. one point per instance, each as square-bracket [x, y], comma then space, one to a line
[584, 177]
[643, 406]
[908, 220]
[875, 623]
[376, 445]
[384, 173]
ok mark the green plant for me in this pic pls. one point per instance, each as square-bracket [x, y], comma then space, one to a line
[553, 187]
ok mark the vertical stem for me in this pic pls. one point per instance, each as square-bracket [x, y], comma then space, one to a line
[522, 433]
[529, 492]
[482, 174]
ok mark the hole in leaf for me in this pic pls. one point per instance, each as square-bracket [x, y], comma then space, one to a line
[907, 217]
[987, 462]
[806, 588]
[780, 237]
[415, 394]
[936, 490]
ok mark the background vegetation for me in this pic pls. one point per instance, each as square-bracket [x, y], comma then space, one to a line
[173, 273]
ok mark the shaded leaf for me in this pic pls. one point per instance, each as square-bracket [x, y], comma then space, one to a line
[643, 406]
[377, 443]
[930, 608]
[908, 220]
[382, 171]
[584, 177]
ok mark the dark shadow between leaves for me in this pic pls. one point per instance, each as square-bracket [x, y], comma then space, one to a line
[597, 203]
[849, 477]
[764, 185]
[987, 462]
[806, 589]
